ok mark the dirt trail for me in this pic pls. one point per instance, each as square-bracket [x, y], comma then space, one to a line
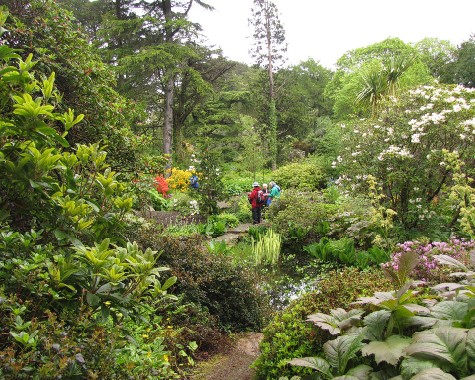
[233, 365]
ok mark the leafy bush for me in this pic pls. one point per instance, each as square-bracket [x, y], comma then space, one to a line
[237, 186]
[211, 186]
[86, 84]
[227, 291]
[298, 216]
[242, 209]
[304, 176]
[402, 334]
[343, 251]
[213, 228]
[230, 220]
[68, 277]
[289, 335]
[184, 204]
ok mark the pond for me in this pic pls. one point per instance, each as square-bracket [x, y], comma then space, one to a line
[295, 275]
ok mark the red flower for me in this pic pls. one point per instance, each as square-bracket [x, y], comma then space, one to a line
[161, 185]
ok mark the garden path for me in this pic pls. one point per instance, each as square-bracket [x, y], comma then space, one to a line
[232, 365]
[232, 235]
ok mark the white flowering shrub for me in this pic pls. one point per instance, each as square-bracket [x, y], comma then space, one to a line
[420, 152]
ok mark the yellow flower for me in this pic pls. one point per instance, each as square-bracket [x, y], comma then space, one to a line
[165, 357]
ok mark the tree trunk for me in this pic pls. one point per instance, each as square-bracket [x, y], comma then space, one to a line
[168, 116]
[272, 111]
[168, 122]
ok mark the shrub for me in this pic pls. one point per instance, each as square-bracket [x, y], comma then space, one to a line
[184, 204]
[305, 176]
[402, 334]
[227, 291]
[161, 185]
[419, 153]
[68, 277]
[230, 220]
[179, 180]
[343, 251]
[240, 207]
[289, 335]
[298, 216]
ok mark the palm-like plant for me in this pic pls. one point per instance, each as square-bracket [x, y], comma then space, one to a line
[374, 86]
[379, 81]
[398, 65]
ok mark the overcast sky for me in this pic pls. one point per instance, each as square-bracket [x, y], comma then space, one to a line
[325, 29]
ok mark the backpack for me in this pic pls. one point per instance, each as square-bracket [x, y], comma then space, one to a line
[261, 198]
[194, 181]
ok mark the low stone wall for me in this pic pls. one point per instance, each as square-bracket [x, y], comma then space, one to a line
[168, 218]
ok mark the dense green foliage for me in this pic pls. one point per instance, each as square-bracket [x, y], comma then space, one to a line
[397, 335]
[70, 285]
[289, 335]
[227, 291]
[80, 299]
[84, 82]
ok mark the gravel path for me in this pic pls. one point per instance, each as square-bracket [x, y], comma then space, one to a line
[233, 365]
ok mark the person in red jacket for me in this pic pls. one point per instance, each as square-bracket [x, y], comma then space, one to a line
[255, 204]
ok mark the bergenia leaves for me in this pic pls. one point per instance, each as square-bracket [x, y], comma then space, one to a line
[338, 321]
[449, 260]
[318, 364]
[390, 351]
[433, 374]
[446, 346]
[376, 324]
[451, 310]
[341, 350]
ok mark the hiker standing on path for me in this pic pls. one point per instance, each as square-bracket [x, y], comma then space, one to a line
[274, 192]
[266, 192]
[256, 203]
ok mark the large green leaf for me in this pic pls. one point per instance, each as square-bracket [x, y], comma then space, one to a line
[360, 372]
[411, 366]
[325, 322]
[470, 344]
[389, 351]
[449, 260]
[441, 345]
[451, 310]
[376, 323]
[433, 374]
[338, 321]
[341, 350]
[319, 364]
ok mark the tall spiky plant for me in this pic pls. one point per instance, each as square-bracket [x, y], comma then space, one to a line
[266, 249]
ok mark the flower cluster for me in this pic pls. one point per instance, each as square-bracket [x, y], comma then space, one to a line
[194, 207]
[394, 151]
[161, 185]
[425, 270]
[179, 179]
[406, 149]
